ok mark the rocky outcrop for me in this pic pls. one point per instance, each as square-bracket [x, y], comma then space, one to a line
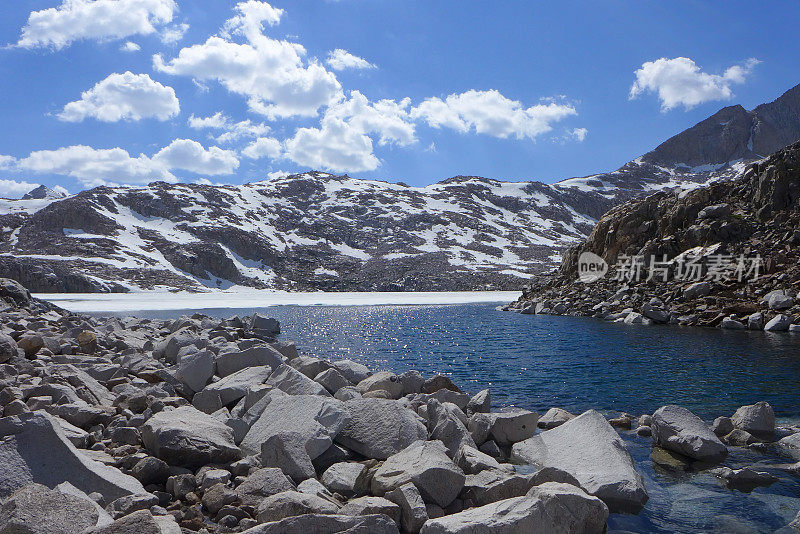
[697, 265]
[734, 133]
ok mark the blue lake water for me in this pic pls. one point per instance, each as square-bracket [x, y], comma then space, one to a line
[537, 362]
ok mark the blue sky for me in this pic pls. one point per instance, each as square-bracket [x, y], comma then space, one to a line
[130, 91]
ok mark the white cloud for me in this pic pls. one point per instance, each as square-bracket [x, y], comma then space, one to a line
[173, 34]
[491, 113]
[130, 46]
[189, 155]
[14, 189]
[250, 19]
[336, 146]
[271, 74]
[93, 166]
[342, 59]
[388, 119]
[263, 147]
[234, 130]
[125, 96]
[96, 166]
[680, 82]
[7, 162]
[579, 133]
[75, 20]
[342, 142]
[217, 120]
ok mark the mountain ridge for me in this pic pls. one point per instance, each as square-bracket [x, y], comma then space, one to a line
[320, 231]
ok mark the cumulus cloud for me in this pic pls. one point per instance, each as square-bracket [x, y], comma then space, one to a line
[74, 20]
[272, 74]
[7, 162]
[343, 142]
[579, 133]
[491, 113]
[335, 146]
[263, 147]
[234, 131]
[206, 181]
[389, 119]
[250, 19]
[59, 189]
[681, 82]
[217, 120]
[101, 166]
[130, 46]
[342, 59]
[125, 96]
[173, 34]
[94, 167]
[15, 189]
[189, 155]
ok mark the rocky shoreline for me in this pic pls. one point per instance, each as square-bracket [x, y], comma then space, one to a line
[126, 425]
[711, 238]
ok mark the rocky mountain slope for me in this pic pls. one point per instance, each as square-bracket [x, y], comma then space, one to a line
[317, 231]
[308, 231]
[717, 148]
[755, 218]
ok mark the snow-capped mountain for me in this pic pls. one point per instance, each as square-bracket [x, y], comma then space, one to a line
[320, 231]
[716, 148]
[306, 231]
[44, 192]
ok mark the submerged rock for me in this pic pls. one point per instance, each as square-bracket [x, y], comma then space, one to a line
[588, 448]
[790, 446]
[757, 419]
[745, 479]
[677, 429]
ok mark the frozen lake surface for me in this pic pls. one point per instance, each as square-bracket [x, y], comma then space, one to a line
[164, 300]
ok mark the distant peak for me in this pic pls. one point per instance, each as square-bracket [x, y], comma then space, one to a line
[43, 192]
[461, 179]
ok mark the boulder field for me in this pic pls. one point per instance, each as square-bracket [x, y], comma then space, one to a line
[203, 425]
